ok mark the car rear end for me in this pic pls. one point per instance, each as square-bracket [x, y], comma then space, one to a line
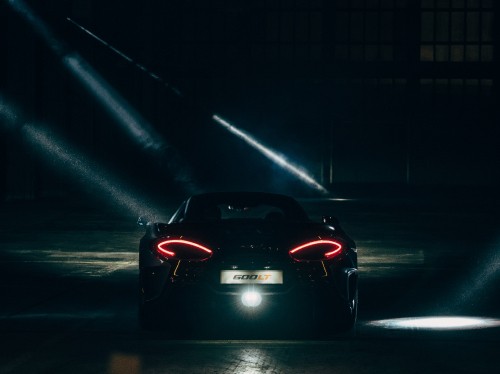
[251, 280]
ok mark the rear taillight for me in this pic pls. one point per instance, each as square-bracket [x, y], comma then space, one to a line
[317, 250]
[179, 249]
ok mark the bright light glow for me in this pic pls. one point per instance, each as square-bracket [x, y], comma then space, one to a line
[162, 247]
[272, 155]
[251, 299]
[187, 242]
[437, 323]
[337, 246]
[332, 253]
[165, 252]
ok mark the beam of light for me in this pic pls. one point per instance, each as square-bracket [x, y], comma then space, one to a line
[296, 171]
[67, 159]
[437, 323]
[272, 155]
[9, 115]
[478, 278]
[137, 127]
[141, 67]
[38, 25]
[84, 171]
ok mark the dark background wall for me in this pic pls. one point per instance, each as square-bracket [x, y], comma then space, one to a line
[368, 91]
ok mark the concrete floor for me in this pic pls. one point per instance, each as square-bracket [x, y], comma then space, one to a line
[68, 280]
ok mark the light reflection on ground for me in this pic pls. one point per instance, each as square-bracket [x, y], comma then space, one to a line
[437, 323]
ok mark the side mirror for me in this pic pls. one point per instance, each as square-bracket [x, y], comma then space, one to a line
[331, 220]
[143, 221]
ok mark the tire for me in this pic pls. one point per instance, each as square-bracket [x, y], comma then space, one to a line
[149, 316]
[158, 316]
[348, 315]
[334, 318]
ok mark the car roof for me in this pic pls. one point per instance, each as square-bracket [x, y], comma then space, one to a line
[243, 195]
[288, 203]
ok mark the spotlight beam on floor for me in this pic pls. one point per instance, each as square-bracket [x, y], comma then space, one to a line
[275, 157]
[442, 323]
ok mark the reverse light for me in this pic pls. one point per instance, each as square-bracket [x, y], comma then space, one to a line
[317, 250]
[251, 299]
[179, 249]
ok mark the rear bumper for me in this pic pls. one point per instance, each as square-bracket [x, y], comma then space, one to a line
[340, 288]
[294, 294]
[296, 303]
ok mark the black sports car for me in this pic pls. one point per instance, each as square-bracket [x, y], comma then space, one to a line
[244, 255]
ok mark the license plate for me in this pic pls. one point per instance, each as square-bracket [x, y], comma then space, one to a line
[251, 277]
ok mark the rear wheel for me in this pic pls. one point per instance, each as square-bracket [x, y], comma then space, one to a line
[337, 317]
[148, 317]
[167, 322]
[348, 315]
[160, 315]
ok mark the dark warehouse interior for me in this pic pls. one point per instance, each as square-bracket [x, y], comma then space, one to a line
[357, 92]
[382, 113]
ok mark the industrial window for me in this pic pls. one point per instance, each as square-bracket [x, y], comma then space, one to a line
[259, 30]
[456, 31]
[455, 87]
[365, 30]
[291, 31]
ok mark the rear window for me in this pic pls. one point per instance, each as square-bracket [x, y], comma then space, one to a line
[249, 207]
[261, 211]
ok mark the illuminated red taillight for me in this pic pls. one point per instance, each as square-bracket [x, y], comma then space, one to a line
[317, 250]
[179, 249]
